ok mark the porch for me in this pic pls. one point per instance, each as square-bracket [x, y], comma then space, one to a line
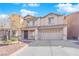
[29, 34]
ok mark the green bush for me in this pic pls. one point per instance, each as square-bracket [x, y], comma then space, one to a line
[14, 38]
[11, 41]
[7, 42]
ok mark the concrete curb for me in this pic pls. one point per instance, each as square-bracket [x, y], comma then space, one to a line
[21, 49]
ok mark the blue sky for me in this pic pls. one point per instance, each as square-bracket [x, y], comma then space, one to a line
[40, 9]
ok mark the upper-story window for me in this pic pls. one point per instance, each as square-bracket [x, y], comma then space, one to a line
[31, 23]
[50, 20]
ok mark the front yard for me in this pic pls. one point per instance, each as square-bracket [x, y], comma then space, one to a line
[6, 50]
[12, 40]
[9, 46]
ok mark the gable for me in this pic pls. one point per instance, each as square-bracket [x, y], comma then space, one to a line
[29, 17]
[51, 15]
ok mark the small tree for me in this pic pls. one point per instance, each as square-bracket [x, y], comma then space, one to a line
[16, 23]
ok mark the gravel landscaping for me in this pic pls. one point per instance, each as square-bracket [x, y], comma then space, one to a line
[6, 50]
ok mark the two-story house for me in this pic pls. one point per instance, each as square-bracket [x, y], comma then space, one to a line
[48, 27]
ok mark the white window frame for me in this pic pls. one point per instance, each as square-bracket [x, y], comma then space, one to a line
[31, 23]
[50, 20]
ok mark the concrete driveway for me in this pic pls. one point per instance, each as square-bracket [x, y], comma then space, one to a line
[50, 48]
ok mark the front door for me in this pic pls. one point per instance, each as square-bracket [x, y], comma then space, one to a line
[25, 34]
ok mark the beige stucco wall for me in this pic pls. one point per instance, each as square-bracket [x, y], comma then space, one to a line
[56, 21]
[37, 22]
[73, 25]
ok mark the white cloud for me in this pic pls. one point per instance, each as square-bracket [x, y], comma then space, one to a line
[25, 12]
[4, 16]
[67, 7]
[33, 4]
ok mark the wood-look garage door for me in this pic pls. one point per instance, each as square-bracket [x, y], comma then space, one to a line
[56, 33]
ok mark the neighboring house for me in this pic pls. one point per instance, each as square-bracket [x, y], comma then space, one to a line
[4, 34]
[72, 22]
[4, 27]
[51, 26]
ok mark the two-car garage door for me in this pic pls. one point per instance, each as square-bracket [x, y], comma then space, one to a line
[55, 33]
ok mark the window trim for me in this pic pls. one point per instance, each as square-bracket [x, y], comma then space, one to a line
[50, 19]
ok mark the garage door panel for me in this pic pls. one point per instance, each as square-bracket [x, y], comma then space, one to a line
[43, 35]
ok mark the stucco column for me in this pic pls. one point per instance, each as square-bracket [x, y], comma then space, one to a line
[22, 34]
[65, 33]
[10, 33]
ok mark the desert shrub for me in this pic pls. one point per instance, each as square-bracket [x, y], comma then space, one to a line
[11, 41]
[14, 38]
